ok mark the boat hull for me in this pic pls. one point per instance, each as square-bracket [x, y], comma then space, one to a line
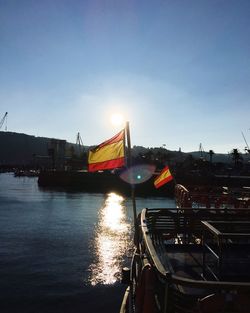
[100, 182]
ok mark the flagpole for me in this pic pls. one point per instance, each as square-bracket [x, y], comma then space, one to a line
[132, 185]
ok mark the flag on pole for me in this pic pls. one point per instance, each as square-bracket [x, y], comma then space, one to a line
[163, 178]
[108, 155]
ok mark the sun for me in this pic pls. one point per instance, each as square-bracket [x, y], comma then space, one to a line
[117, 119]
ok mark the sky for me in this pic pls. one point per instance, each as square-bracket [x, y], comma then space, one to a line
[177, 70]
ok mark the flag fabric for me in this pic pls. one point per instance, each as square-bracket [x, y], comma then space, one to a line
[163, 178]
[108, 155]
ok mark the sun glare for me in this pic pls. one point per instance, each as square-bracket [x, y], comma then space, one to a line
[117, 119]
[111, 241]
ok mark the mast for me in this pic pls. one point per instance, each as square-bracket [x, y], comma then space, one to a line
[128, 144]
[132, 185]
[79, 143]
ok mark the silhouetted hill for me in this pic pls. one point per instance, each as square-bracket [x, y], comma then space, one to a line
[21, 149]
[181, 156]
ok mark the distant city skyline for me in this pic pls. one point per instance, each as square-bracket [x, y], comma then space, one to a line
[178, 71]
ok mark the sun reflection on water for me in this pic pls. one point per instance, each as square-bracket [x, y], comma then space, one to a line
[111, 243]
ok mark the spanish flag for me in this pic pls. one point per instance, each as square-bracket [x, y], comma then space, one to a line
[163, 178]
[109, 154]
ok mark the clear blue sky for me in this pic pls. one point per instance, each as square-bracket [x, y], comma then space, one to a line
[178, 70]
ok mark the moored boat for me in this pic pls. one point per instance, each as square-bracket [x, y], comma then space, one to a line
[26, 173]
[212, 196]
[100, 182]
[192, 258]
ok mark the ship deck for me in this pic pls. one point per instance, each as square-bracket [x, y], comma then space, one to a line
[205, 245]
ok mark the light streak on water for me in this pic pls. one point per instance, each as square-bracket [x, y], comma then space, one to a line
[112, 241]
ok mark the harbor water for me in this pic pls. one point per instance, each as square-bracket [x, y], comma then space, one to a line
[62, 251]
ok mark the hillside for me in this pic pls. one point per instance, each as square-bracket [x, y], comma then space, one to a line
[21, 149]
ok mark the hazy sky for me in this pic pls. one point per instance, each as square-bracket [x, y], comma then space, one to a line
[179, 70]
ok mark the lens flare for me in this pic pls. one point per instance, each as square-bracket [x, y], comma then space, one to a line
[138, 174]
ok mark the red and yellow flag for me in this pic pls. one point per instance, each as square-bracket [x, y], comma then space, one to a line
[163, 178]
[109, 154]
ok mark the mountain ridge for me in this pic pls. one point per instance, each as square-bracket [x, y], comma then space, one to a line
[20, 148]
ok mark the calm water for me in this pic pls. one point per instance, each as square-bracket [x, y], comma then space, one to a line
[63, 251]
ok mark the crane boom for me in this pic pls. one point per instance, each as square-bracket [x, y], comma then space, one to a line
[247, 146]
[3, 120]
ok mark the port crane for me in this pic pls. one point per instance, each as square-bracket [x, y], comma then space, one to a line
[202, 152]
[4, 119]
[79, 143]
